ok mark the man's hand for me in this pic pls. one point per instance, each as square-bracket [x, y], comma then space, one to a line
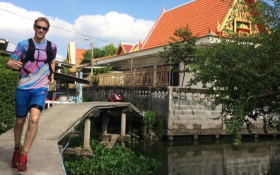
[51, 80]
[17, 65]
[13, 64]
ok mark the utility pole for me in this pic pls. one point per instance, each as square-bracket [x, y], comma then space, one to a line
[91, 59]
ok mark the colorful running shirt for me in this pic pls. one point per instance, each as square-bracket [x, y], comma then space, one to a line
[39, 71]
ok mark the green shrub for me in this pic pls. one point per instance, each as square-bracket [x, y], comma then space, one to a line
[161, 124]
[115, 161]
[86, 98]
[149, 120]
[8, 79]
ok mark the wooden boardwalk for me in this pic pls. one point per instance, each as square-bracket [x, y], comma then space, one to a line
[55, 123]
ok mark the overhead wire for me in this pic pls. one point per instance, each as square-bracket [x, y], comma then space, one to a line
[88, 36]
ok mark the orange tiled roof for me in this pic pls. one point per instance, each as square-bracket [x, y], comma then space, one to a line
[200, 15]
[79, 55]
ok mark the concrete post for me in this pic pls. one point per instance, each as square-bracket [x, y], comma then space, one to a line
[155, 76]
[123, 122]
[87, 133]
[224, 127]
[170, 109]
[105, 122]
[80, 89]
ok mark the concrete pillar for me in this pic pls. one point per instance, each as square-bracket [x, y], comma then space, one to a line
[105, 122]
[87, 133]
[170, 108]
[195, 137]
[123, 122]
[224, 127]
[155, 76]
[80, 85]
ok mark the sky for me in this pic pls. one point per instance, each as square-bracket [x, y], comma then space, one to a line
[102, 21]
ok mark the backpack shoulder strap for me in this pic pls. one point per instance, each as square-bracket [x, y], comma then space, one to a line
[31, 43]
[30, 51]
[29, 56]
[49, 52]
[49, 57]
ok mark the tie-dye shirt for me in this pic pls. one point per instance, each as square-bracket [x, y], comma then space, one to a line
[39, 71]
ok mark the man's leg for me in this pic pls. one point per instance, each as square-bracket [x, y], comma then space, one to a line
[19, 123]
[22, 104]
[18, 130]
[31, 129]
[37, 104]
[29, 137]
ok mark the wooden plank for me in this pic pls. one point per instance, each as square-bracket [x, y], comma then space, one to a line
[112, 140]
[78, 151]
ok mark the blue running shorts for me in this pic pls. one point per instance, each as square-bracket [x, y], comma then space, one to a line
[27, 99]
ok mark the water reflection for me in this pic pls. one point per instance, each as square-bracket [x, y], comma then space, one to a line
[211, 158]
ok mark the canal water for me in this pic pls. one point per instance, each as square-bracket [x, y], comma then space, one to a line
[211, 157]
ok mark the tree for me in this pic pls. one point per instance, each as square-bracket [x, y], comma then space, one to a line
[242, 73]
[107, 50]
[8, 79]
[65, 61]
[181, 49]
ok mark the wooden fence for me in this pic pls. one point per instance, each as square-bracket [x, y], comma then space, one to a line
[143, 77]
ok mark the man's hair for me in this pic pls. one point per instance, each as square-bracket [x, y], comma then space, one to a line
[42, 19]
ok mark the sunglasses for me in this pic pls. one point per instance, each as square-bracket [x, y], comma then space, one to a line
[39, 27]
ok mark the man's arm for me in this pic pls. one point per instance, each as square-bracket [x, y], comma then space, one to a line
[53, 68]
[13, 64]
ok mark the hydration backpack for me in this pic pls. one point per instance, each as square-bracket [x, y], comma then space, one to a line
[30, 56]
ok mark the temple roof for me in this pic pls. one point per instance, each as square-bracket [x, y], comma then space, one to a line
[125, 48]
[74, 55]
[79, 55]
[201, 16]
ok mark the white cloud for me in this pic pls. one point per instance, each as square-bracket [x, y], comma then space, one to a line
[17, 25]
[114, 27]
[13, 26]
[59, 58]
